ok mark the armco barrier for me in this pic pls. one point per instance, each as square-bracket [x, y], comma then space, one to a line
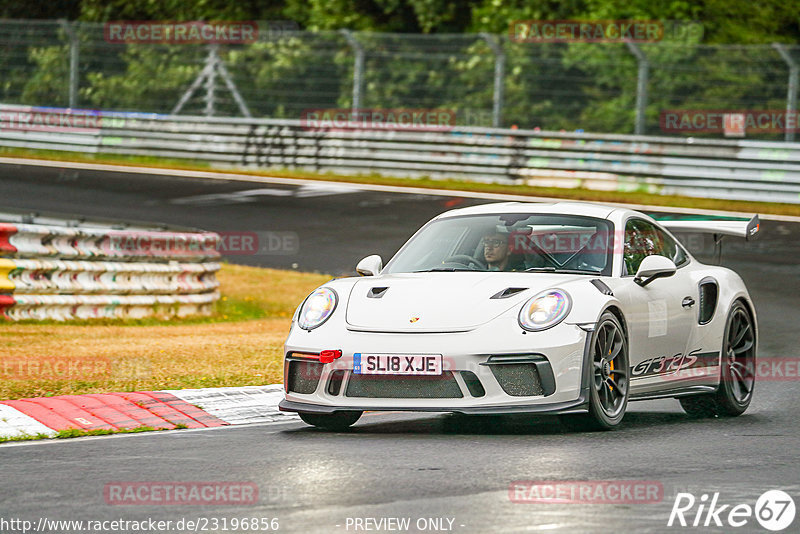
[60, 272]
[731, 169]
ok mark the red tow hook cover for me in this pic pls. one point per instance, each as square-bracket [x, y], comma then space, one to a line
[327, 356]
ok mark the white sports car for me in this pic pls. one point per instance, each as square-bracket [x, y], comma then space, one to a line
[565, 308]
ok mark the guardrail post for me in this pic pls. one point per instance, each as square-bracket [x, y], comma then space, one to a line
[358, 68]
[74, 52]
[499, 74]
[641, 86]
[791, 96]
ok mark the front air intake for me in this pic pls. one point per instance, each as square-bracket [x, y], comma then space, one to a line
[523, 375]
[518, 379]
[442, 386]
[335, 382]
[473, 384]
[303, 377]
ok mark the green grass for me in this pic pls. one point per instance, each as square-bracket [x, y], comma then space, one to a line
[80, 433]
[23, 437]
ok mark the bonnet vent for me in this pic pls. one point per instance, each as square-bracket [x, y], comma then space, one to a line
[508, 292]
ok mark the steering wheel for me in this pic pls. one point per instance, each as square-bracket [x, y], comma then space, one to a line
[465, 260]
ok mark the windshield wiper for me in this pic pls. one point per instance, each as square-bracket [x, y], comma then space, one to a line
[445, 270]
[554, 270]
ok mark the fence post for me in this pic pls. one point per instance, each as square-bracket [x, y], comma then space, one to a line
[791, 96]
[358, 68]
[74, 57]
[499, 74]
[641, 86]
[213, 67]
[211, 80]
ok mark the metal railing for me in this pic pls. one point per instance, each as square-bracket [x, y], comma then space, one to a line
[732, 169]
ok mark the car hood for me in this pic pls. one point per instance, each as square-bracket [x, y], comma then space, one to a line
[440, 302]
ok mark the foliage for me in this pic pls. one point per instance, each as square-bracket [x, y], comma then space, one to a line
[445, 64]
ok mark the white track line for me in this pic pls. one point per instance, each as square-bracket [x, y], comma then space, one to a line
[228, 176]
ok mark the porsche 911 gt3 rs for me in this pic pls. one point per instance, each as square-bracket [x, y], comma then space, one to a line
[565, 308]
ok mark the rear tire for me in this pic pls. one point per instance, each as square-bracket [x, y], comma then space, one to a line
[336, 421]
[608, 387]
[737, 370]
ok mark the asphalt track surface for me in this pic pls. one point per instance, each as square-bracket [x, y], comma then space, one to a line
[413, 466]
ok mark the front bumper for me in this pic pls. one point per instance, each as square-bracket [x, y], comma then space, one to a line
[557, 354]
[578, 404]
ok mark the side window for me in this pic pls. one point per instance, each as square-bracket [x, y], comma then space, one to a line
[673, 250]
[643, 239]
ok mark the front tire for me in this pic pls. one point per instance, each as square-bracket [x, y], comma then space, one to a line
[336, 421]
[737, 370]
[608, 391]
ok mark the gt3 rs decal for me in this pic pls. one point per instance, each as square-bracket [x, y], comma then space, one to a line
[661, 365]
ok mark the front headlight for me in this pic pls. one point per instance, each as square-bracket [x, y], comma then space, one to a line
[545, 310]
[317, 308]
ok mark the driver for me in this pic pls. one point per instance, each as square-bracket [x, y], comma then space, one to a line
[496, 250]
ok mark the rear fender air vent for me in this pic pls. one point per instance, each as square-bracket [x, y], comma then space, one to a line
[508, 292]
[376, 292]
[709, 293]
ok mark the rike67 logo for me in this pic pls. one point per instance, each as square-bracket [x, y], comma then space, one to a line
[774, 510]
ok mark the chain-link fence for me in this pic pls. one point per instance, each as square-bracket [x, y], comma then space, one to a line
[486, 80]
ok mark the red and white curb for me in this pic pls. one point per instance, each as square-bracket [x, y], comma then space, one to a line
[190, 408]
[240, 405]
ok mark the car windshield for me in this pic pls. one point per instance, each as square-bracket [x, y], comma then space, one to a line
[521, 242]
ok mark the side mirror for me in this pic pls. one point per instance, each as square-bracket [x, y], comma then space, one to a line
[653, 267]
[370, 266]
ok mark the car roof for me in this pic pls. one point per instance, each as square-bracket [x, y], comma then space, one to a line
[587, 209]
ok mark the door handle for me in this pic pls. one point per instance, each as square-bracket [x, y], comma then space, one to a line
[688, 302]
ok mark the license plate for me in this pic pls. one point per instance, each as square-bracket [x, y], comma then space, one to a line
[397, 364]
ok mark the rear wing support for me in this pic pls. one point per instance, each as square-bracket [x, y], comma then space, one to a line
[717, 226]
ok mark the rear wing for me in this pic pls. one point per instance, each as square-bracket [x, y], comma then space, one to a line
[745, 227]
